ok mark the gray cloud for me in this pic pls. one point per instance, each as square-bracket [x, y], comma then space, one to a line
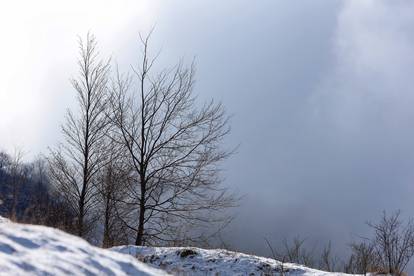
[320, 93]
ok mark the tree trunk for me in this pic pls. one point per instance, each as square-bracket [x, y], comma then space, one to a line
[81, 217]
[107, 242]
[140, 233]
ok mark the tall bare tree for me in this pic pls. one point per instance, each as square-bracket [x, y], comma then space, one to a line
[174, 149]
[75, 164]
[394, 242]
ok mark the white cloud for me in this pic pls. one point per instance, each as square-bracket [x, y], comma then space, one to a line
[38, 55]
[373, 66]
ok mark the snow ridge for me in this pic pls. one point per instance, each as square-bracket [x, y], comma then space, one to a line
[201, 262]
[39, 250]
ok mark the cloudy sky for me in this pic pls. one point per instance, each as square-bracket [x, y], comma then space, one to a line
[321, 94]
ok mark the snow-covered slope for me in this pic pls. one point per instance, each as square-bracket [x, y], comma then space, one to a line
[39, 250]
[195, 261]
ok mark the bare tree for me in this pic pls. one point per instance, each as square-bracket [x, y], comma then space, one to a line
[112, 189]
[349, 265]
[276, 256]
[18, 174]
[363, 258]
[295, 252]
[75, 164]
[394, 242]
[328, 261]
[174, 150]
[5, 160]
[37, 211]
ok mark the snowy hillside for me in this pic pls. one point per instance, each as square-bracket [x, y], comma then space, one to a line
[195, 261]
[38, 250]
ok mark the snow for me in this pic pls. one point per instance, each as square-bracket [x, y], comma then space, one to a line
[196, 261]
[39, 250]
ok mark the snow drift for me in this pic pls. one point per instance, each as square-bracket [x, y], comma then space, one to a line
[195, 261]
[39, 250]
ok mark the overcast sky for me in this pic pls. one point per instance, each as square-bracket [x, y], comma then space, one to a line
[321, 94]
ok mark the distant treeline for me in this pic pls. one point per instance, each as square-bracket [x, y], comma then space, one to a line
[26, 194]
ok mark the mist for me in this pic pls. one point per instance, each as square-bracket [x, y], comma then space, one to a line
[320, 94]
